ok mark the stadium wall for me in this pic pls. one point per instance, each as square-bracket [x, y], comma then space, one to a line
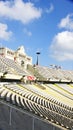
[14, 119]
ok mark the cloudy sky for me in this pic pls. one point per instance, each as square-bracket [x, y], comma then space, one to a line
[39, 25]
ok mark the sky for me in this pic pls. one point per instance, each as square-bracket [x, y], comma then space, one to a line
[44, 26]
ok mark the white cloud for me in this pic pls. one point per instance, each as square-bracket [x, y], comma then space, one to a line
[62, 46]
[4, 33]
[20, 11]
[67, 22]
[27, 32]
[50, 9]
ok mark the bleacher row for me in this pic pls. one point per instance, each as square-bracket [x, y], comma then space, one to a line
[55, 74]
[10, 66]
[27, 99]
[52, 96]
[63, 89]
[51, 101]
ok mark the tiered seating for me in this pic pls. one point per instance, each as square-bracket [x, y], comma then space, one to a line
[50, 74]
[52, 102]
[55, 74]
[56, 97]
[66, 87]
[4, 67]
[28, 100]
[14, 67]
[43, 71]
[67, 74]
[62, 89]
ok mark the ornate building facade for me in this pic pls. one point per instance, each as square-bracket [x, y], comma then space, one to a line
[19, 56]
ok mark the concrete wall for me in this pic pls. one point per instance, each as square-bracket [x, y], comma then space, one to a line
[12, 119]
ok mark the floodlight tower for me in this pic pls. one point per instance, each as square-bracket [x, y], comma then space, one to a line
[37, 62]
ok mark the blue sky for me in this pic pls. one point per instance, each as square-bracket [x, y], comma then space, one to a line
[39, 25]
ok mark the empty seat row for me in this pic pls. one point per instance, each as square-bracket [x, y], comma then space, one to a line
[36, 108]
[37, 99]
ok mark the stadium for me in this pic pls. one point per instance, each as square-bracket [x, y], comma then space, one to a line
[33, 97]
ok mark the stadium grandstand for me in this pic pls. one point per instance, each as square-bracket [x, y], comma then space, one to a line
[33, 97]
